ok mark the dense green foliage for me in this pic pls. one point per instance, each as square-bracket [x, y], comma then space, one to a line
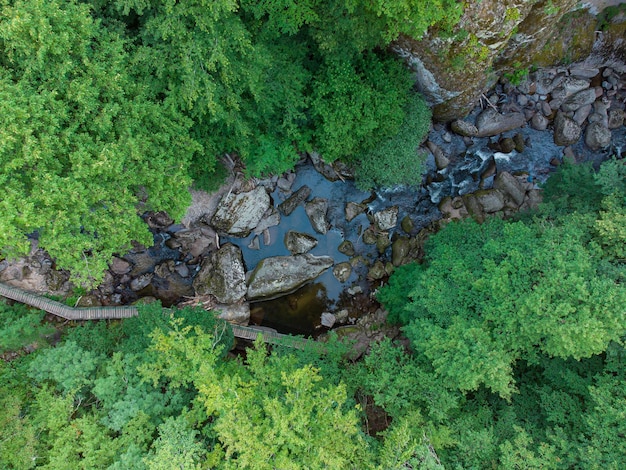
[109, 109]
[518, 362]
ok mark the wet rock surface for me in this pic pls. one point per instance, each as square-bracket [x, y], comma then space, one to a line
[282, 274]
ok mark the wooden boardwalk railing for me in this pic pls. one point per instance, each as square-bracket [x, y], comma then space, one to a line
[126, 311]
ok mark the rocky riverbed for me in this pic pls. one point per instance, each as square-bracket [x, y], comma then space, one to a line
[302, 252]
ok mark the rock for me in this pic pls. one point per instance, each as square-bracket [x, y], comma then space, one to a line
[464, 128]
[120, 266]
[506, 145]
[597, 136]
[342, 315]
[255, 243]
[377, 271]
[239, 314]
[491, 200]
[510, 186]
[616, 118]
[407, 224]
[583, 72]
[579, 99]
[518, 140]
[182, 269]
[165, 269]
[539, 122]
[581, 114]
[239, 214]
[353, 209]
[293, 201]
[441, 161]
[323, 168]
[566, 130]
[399, 250]
[316, 210]
[342, 271]
[568, 87]
[196, 241]
[474, 208]
[88, 300]
[141, 282]
[298, 243]
[382, 242]
[386, 219]
[222, 275]
[346, 248]
[158, 220]
[285, 182]
[354, 290]
[369, 236]
[271, 218]
[171, 289]
[490, 122]
[280, 275]
[328, 319]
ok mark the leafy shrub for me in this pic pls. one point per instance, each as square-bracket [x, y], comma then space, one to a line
[397, 160]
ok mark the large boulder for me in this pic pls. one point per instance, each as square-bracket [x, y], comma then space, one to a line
[597, 136]
[490, 122]
[386, 219]
[239, 314]
[511, 186]
[566, 130]
[222, 275]
[280, 275]
[579, 99]
[239, 214]
[289, 205]
[298, 243]
[316, 210]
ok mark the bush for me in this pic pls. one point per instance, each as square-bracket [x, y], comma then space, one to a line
[397, 160]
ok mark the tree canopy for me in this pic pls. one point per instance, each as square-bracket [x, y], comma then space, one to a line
[110, 109]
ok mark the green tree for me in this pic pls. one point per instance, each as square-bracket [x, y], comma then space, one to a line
[84, 146]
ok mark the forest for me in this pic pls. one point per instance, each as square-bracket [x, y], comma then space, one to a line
[514, 345]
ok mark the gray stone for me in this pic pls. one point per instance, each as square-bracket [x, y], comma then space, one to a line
[316, 210]
[491, 200]
[298, 243]
[490, 122]
[369, 236]
[196, 241]
[382, 242]
[579, 99]
[120, 266]
[377, 271]
[141, 282]
[346, 248]
[386, 219]
[328, 319]
[539, 122]
[566, 130]
[239, 214]
[255, 243]
[280, 275]
[583, 72]
[342, 271]
[581, 114]
[222, 275]
[441, 161]
[353, 210]
[239, 314]
[616, 118]
[464, 128]
[271, 218]
[510, 185]
[399, 250]
[506, 145]
[407, 224]
[568, 87]
[293, 201]
[597, 136]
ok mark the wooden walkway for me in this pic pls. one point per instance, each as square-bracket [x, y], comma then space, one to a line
[249, 333]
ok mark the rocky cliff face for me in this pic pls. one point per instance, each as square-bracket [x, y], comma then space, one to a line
[494, 36]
